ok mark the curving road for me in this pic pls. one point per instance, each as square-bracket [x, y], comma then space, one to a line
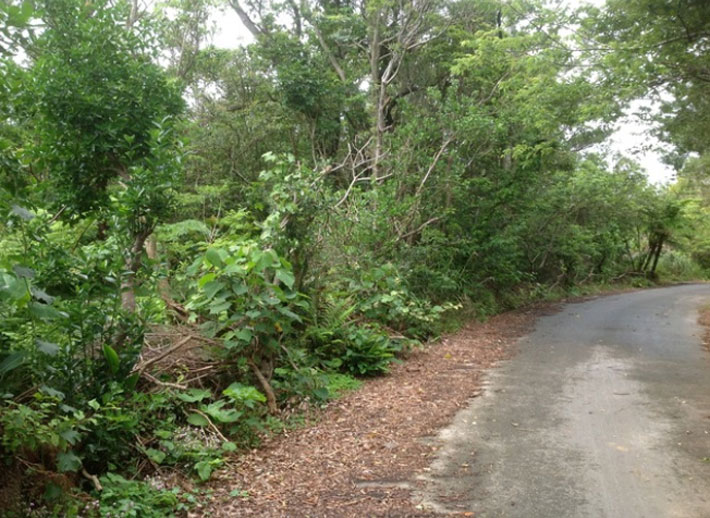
[603, 413]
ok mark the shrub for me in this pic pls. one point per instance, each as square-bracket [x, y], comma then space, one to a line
[136, 499]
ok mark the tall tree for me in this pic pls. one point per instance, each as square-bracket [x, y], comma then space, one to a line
[103, 111]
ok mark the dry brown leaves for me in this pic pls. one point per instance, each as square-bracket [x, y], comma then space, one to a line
[362, 456]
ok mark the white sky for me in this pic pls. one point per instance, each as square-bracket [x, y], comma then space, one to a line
[632, 137]
[230, 31]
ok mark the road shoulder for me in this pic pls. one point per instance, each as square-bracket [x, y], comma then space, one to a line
[363, 455]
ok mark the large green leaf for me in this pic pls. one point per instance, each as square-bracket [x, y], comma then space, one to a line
[11, 362]
[214, 258]
[111, 358]
[243, 393]
[13, 288]
[204, 469]
[156, 456]
[211, 289]
[196, 419]
[245, 335]
[68, 462]
[41, 295]
[45, 312]
[48, 348]
[23, 272]
[208, 277]
[71, 436]
[193, 395]
[290, 314]
[219, 306]
[286, 277]
[218, 413]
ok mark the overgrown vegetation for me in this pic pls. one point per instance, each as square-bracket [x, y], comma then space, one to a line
[198, 242]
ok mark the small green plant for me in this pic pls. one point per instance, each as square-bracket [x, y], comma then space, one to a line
[47, 432]
[358, 349]
[339, 384]
[193, 449]
[248, 294]
[382, 296]
[136, 499]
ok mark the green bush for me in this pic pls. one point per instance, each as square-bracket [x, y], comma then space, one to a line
[677, 265]
[247, 295]
[383, 297]
[136, 499]
[359, 349]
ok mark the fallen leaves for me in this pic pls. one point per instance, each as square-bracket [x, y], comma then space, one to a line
[377, 434]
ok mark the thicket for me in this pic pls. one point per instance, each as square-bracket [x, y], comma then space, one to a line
[195, 242]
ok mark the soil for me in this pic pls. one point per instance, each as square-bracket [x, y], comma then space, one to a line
[363, 455]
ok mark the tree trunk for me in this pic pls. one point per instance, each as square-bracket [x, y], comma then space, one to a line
[657, 255]
[376, 86]
[133, 264]
[266, 386]
[151, 250]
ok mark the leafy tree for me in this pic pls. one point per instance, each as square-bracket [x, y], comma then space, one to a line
[103, 114]
[97, 97]
[659, 47]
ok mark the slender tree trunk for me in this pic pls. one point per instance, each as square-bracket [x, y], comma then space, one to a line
[266, 387]
[657, 256]
[653, 245]
[151, 251]
[377, 88]
[133, 264]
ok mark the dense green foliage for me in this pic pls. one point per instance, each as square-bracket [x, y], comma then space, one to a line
[194, 239]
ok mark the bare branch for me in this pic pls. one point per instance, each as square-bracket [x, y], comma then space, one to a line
[432, 166]
[331, 58]
[419, 228]
[252, 27]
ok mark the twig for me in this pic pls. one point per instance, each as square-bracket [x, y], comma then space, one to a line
[433, 165]
[191, 381]
[56, 216]
[205, 368]
[93, 478]
[163, 383]
[288, 357]
[419, 228]
[27, 393]
[208, 340]
[141, 368]
[209, 421]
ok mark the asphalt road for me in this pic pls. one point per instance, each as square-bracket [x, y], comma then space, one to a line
[603, 413]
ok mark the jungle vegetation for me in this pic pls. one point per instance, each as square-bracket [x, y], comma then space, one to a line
[195, 241]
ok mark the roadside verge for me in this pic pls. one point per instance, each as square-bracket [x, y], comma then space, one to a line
[362, 456]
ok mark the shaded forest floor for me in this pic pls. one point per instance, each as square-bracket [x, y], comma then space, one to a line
[363, 454]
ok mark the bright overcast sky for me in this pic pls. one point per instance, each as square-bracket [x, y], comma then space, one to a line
[632, 137]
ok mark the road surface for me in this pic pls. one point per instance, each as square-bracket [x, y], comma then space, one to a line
[603, 413]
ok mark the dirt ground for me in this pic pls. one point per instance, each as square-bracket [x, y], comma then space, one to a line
[362, 456]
